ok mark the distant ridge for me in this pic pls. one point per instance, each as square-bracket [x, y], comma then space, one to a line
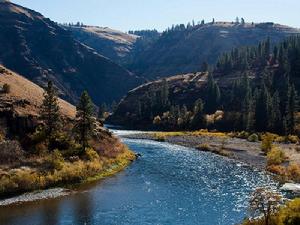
[39, 49]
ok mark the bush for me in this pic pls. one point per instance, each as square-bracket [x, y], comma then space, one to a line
[275, 157]
[91, 154]
[278, 170]
[293, 172]
[204, 147]
[253, 138]
[61, 142]
[6, 88]
[290, 214]
[56, 160]
[267, 142]
[157, 120]
[293, 139]
[243, 135]
[11, 152]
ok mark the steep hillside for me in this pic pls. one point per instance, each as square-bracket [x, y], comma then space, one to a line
[112, 44]
[39, 49]
[24, 90]
[20, 105]
[30, 160]
[250, 88]
[184, 49]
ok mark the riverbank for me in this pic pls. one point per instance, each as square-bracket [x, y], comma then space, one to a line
[43, 184]
[219, 143]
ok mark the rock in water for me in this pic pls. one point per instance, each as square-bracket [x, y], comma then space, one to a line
[291, 187]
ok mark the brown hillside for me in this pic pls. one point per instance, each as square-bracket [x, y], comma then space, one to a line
[31, 94]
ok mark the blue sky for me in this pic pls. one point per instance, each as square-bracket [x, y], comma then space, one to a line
[147, 14]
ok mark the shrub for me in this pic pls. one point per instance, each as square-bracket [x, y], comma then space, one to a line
[267, 142]
[56, 160]
[6, 88]
[11, 152]
[204, 147]
[243, 135]
[91, 154]
[293, 172]
[275, 157]
[290, 214]
[157, 120]
[61, 142]
[278, 170]
[253, 138]
[26, 180]
[293, 139]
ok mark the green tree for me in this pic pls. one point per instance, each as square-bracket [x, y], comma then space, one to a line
[102, 110]
[212, 96]
[84, 120]
[198, 120]
[291, 107]
[114, 106]
[165, 93]
[50, 111]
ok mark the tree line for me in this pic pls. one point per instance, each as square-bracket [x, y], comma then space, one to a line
[50, 114]
[263, 97]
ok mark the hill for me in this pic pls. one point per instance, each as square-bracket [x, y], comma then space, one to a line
[249, 88]
[39, 49]
[30, 160]
[112, 44]
[24, 90]
[182, 49]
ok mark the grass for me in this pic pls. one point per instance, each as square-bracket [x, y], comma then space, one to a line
[65, 174]
[165, 135]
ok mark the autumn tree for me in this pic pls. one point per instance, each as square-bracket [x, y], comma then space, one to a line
[264, 202]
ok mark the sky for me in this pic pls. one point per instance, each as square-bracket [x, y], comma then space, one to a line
[128, 15]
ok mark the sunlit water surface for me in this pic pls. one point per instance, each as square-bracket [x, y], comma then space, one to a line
[167, 185]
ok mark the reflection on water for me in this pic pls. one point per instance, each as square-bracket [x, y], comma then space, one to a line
[168, 185]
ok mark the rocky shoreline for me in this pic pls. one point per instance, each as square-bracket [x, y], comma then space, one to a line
[234, 148]
[37, 195]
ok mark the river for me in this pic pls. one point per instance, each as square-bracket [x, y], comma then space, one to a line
[169, 184]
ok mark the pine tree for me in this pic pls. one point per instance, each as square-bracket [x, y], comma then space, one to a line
[102, 110]
[114, 106]
[291, 107]
[50, 111]
[84, 120]
[198, 120]
[261, 109]
[204, 67]
[165, 93]
[213, 95]
[275, 123]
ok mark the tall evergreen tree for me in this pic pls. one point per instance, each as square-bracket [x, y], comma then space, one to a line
[291, 107]
[198, 120]
[50, 111]
[212, 96]
[165, 93]
[102, 110]
[85, 122]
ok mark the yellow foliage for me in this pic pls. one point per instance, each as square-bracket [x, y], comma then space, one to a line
[275, 157]
[293, 172]
[290, 214]
[267, 142]
[22, 180]
[56, 160]
[91, 154]
[164, 135]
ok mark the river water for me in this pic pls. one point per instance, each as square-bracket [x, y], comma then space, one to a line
[169, 184]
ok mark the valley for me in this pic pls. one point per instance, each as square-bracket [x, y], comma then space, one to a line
[196, 123]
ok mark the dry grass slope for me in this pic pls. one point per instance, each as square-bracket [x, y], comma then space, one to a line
[21, 88]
